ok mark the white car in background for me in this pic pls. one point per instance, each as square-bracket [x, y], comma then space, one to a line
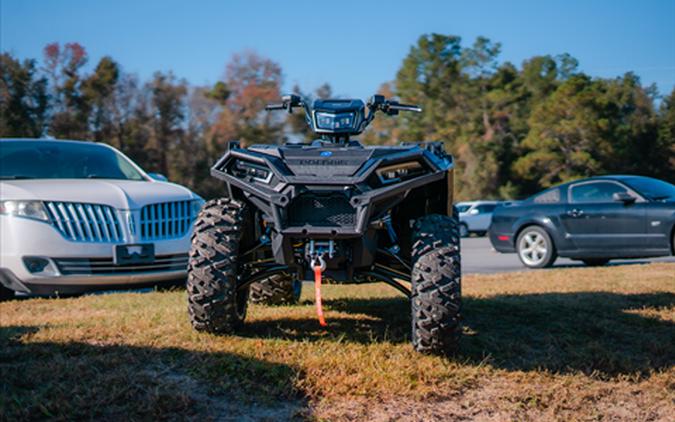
[81, 216]
[475, 217]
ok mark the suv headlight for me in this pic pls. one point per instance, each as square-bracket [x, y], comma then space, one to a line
[27, 209]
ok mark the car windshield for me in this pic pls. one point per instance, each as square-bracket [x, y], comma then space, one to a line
[463, 208]
[63, 160]
[652, 188]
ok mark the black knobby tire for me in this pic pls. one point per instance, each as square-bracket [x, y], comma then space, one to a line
[215, 304]
[595, 262]
[436, 284]
[279, 289]
[5, 293]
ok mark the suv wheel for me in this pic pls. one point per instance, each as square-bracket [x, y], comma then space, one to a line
[436, 284]
[279, 289]
[5, 293]
[214, 303]
[535, 248]
[464, 230]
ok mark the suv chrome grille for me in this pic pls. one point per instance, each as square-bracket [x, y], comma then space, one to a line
[85, 222]
[105, 266]
[165, 220]
[321, 210]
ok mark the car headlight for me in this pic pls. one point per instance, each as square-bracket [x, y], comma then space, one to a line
[331, 121]
[248, 170]
[195, 207]
[399, 172]
[27, 209]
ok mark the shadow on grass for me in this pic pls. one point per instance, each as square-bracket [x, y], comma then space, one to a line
[590, 332]
[77, 381]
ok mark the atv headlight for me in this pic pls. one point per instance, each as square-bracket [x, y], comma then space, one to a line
[27, 209]
[248, 170]
[399, 172]
[331, 121]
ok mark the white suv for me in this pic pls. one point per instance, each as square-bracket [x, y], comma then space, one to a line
[79, 216]
[475, 217]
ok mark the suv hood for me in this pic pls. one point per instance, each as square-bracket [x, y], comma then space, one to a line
[120, 194]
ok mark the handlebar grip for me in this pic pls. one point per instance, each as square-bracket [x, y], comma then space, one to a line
[269, 107]
[406, 107]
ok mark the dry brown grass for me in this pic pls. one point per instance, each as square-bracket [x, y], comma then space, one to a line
[570, 344]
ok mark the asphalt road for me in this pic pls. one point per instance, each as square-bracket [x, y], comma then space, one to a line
[479, 257]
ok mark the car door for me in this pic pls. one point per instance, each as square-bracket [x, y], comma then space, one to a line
[596, 221]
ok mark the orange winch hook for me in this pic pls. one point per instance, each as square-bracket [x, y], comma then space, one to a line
[318, 269]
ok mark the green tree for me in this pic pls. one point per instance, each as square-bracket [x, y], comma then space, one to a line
[70, 110]
[98, 92]
[23, 98]
[168, 111]
[667, 136]
[588, 127]
[251, 82]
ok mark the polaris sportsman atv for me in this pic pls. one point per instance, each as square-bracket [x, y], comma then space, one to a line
[331, 209]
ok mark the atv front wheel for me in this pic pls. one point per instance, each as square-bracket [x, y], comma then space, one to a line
[436, 284]
[215, 304]
[279, 289]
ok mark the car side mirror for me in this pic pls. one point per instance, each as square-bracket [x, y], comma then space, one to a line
[474, 211]
[624, 197]
[158, 177]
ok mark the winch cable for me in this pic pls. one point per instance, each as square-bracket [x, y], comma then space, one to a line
[317, 293]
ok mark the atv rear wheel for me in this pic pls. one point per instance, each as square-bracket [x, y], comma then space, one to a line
[436, 284]
[279, 289]
[215, 304]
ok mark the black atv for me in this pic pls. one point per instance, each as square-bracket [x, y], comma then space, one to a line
[331, 208]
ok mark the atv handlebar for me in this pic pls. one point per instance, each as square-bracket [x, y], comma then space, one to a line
[359, 118]
[390, 107]
[270, 107]
[289, 101]
[405, 107]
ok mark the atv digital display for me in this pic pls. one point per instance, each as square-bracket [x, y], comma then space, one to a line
[332, 121]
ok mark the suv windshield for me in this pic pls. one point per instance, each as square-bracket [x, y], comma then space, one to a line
[63, 160]
[462, 208]
[652, 188]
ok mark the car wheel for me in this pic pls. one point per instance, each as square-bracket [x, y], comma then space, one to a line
[535, 248]
[595, 262]
[464, 230]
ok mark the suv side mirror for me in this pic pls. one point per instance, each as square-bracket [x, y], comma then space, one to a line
[158, 177]
[624, 197]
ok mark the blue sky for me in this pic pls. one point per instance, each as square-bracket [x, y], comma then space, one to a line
[353, 45]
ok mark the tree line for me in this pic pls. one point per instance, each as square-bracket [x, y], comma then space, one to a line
[512, 129]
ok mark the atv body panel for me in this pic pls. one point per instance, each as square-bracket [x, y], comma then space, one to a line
[361, 199]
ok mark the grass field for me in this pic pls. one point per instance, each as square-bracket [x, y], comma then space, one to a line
[568, 344]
